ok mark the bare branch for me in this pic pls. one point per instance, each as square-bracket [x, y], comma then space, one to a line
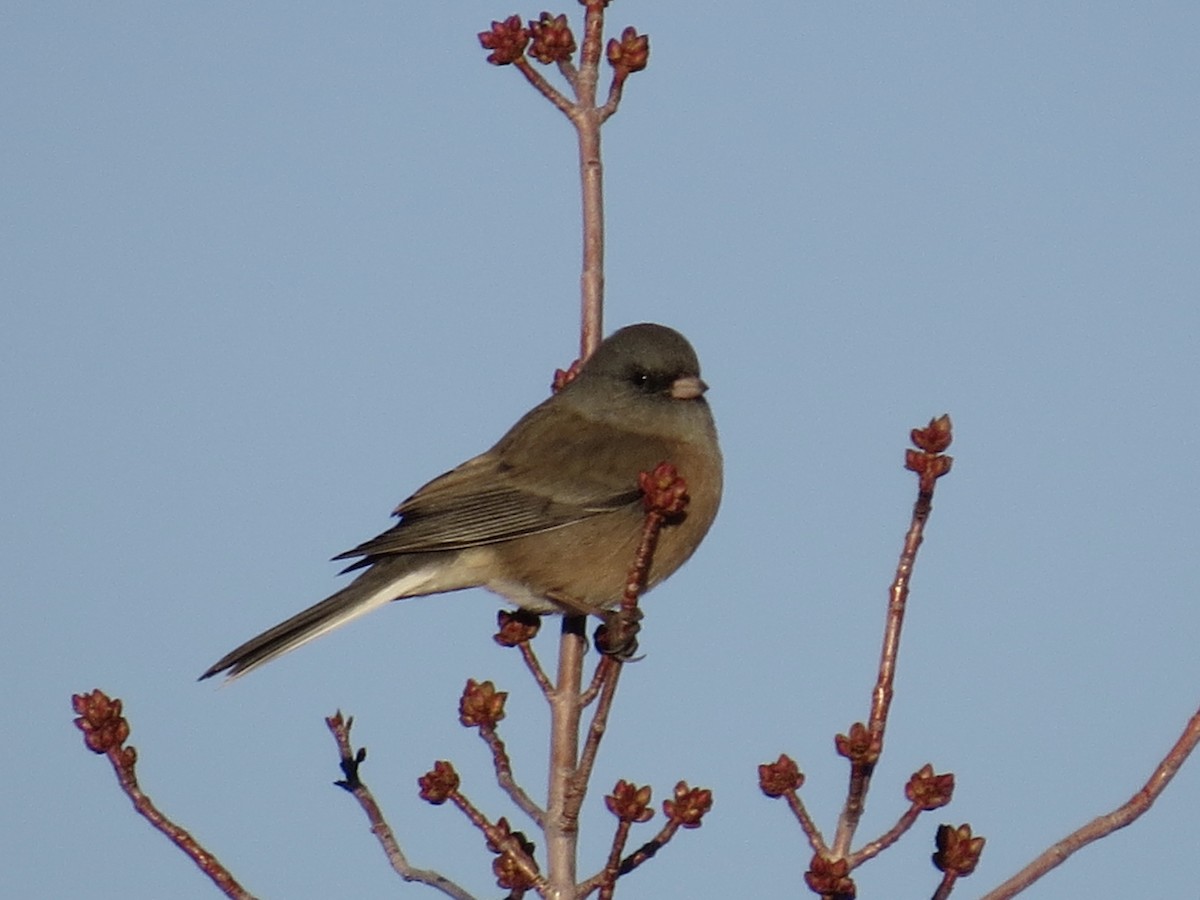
[615, 90]
[535, 668]
[593, 689]
[1106, 824]
[864, 749]
[885, 840]
[631, 805]
[926, 790]
[611, 674]
[502, 840]
[546, 89]
[504, 776]
[612, 868]
[649, 849]
[552, 42]
[815, 839]
[945, 886]
[561, 825]
[339, 727]
[569, 72]
[105, 729]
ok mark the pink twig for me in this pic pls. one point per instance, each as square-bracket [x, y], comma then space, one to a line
[864, 745]
[105, 730]
[339, 727]
[504, 776]
[1106, 824]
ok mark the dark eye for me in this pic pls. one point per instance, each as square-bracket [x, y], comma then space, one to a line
[648, 382]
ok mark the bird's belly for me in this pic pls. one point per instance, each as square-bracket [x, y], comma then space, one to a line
[584, 567]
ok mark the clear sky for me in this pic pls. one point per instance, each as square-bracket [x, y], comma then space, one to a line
[266, 268]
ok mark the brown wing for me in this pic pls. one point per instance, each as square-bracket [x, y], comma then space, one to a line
[530, 482]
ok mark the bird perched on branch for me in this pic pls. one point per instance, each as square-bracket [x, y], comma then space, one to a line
[551, 516]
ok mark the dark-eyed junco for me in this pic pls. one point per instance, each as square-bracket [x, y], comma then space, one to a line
[551, 516]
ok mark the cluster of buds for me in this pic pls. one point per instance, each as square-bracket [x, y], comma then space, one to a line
[549, 39]
[439, 784]
[481, 705]
[957, 851]
[552, 39]
[629, 54]
[507, 41]
[688, 806]
[860, 746]
[927, 790]
[927, 460]
[830, 878]
[103, 725]
[514, 866]
[563, 377]
[664, 491]
[516, 627]
[780, 777]
[630, 803]
[513, 874]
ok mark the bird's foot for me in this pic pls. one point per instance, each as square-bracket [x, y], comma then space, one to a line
[617, 635]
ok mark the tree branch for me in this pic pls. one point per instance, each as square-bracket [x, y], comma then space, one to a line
[1106, 824]
[105, 729]
[350, 761]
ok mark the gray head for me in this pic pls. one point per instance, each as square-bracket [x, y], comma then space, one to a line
[642, 369]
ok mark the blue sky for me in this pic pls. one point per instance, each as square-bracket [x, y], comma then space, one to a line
[266, 268]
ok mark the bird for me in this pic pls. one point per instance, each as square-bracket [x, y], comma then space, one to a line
[551, 516]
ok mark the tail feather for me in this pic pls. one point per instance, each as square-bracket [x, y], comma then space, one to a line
[383, 582]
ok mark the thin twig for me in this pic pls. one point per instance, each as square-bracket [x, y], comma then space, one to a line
[945, 886]
[593, 689]
[599, 723]
[1106, 824]
[503, 841]
[591, 173]
[885, 840]
[182, 838]
[852, 811]
[643, 853]
[649, 849]
[881, 700]
[885, 683]
[535, 667]
[504, 776]
[339, 727]
[593, 38]
[545, 88]
[105, 730]
[672, 491]
[615, 90]
[569, 72]
[815, 839]
[612, 867]
[929, 463]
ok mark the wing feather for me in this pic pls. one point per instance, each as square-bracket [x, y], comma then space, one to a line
[548, 472]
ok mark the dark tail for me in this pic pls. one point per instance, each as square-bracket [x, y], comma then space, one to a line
[383, 582]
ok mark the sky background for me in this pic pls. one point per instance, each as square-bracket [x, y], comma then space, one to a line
[266, 268]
